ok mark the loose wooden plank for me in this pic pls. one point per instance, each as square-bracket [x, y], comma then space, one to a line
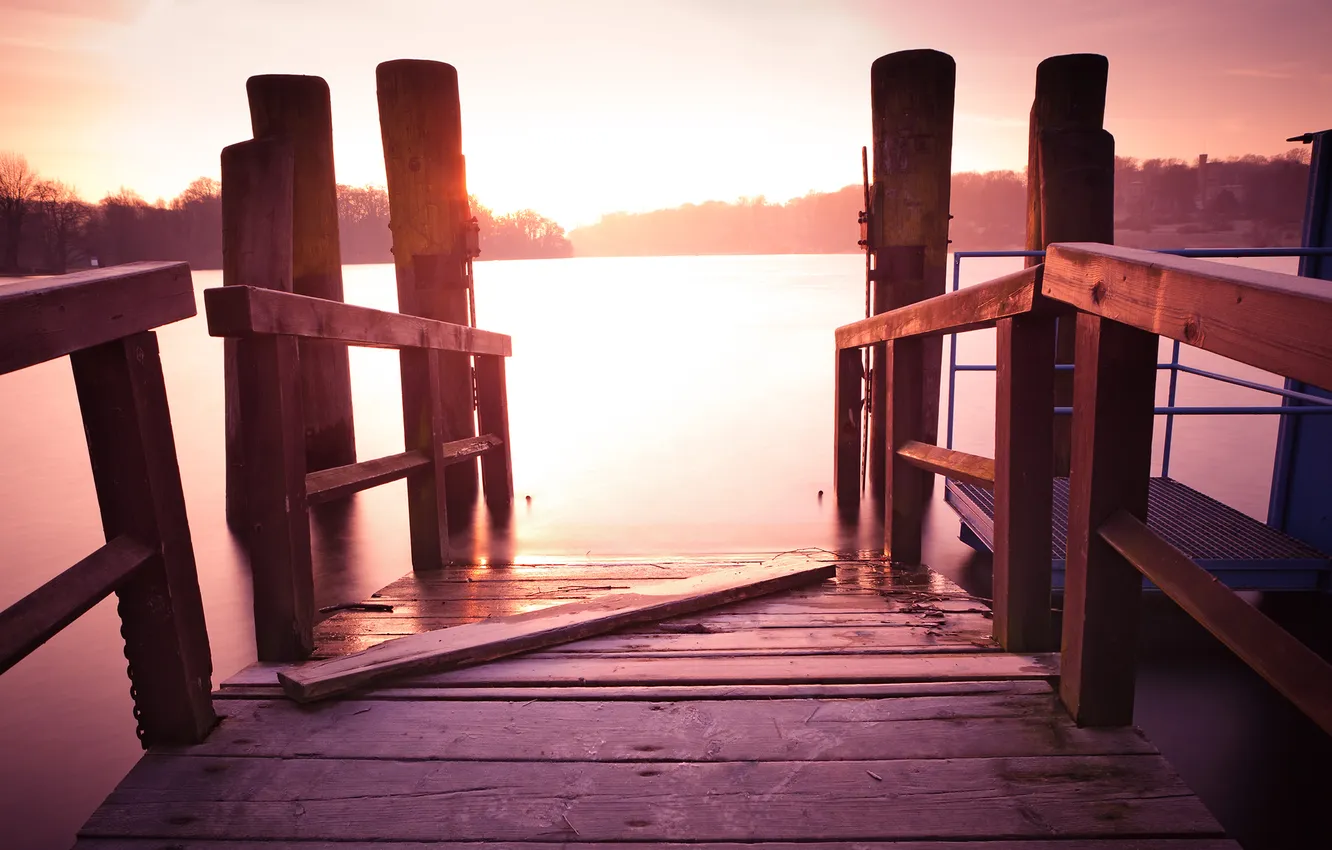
[505, 636]
[37, 617]
[777, 730]
[1114, 392]
[1071, 844]
[233, 689]
[1024, 482]
[1083, 796]
[298, 109]
[592, 671]
[972, 469]
[1298, 672]
[969, 309]
[329, 484]
[1274, 321]
[242, 311]
[45, 318]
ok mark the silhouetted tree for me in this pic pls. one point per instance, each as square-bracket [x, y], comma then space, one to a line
[18, 187]
[63, 217]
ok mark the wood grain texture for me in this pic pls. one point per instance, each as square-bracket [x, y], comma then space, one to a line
[329, 484]
[247, 311]
[1294, 669]
[969, 309]
[972, 469]
[1069, 844]
[45, 318]
[39, 616]
[1277, 322]
[508, 635]
[1114, 391]
[363, 800]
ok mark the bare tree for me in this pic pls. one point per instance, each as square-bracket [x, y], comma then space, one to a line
[18, 186]
[63, 216]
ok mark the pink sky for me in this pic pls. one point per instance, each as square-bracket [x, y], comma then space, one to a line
[590, 106]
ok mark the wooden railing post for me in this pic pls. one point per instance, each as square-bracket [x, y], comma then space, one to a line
[421, 125]
[1070, 95]
[1114, 395]
[905, 491]
[122, 398]
[847, 403]
[257, 222]
[427, 508]
[298, 109]
[1023, 481]
[492, 414]
[911, 95]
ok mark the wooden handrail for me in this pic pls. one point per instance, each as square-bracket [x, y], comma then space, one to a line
[329, 484]
[45, 318]
[972, 469]
[1278, 322]
[242, 311]
[967, 309]
[1288, 665]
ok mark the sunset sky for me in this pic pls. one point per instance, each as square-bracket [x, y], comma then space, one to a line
[590, 106]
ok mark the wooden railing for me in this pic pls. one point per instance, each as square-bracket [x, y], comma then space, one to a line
[103, 319]
[278, 491]
[1122, 300]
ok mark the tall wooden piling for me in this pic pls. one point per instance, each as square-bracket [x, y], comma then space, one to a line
[420, 120]
[1070, 96]
[911, 94]
[298, 109]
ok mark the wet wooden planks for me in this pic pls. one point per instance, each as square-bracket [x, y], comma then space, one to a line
[877, 710]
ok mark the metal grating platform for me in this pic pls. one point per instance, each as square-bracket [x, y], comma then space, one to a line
[1239, 550]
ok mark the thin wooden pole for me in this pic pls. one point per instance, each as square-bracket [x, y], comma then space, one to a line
[1070, 95]
[298, 108]
[1114, 394]
[257, 209]
[122, 398]
[911, 94]
[421, 124]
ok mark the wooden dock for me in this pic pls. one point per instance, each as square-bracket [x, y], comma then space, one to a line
[873, 708]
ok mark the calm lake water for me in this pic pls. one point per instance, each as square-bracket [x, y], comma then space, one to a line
[658, 406]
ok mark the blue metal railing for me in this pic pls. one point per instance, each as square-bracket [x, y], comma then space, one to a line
[1317, 404]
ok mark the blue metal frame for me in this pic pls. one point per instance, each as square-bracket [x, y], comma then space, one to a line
[1318, 404]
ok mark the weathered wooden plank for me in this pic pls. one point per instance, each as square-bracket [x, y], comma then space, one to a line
[590, 671]
[241, 687]
[967, 309]
[420, 122]
[242, 311]
[298, 110]
[1294, 669]
[45, 318]
[1024, 482]
[425, 430]
[1114, 392]
[243, 798]
[329, 484]
[972, 469]
[492, 417]
[132, 451]
[791, 730]
[906, 492]
[848, 404]
[1274, 321]
[522, 632]
[37, 617]
[1069, 844]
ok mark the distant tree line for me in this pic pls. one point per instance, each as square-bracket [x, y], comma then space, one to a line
[1252, 201]
[46, 227]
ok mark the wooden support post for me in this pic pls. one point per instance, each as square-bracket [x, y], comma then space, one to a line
[1023, 481]
[421, 124]
[256, 211]
[847, 403]
[1114, 393]
[492, 414]
[256, 251]
[297, 108]
[911, 94]
[905, 491]
[427, 509]
[122, 398]
[1070, 95]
